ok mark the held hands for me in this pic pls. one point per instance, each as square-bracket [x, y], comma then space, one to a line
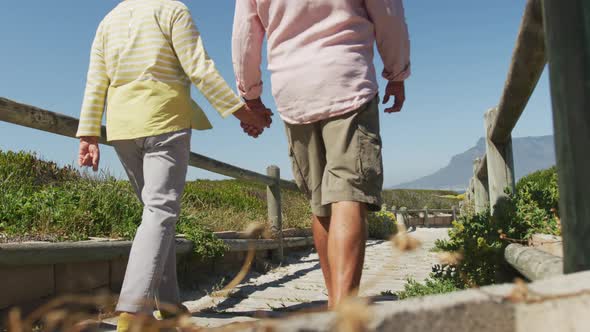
[397, 90]
[89, 154]
[254, 117]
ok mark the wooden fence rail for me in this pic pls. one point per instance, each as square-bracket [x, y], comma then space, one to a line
[558, 31]
[494, 172]
[405, 214]
[452, 211]
[37, 118]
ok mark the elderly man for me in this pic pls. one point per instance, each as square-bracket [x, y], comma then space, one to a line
[320, 55]
[144, 57]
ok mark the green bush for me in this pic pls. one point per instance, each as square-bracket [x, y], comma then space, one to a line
[482, 238]
[478, 238]
[71, 211]
[40, 200]
[233, 205]
[26, 170]
[431, 286]
[381, 224]
[537, 201]
[207, 245]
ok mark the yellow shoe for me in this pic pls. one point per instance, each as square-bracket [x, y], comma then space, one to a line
[163, 314]
[128, 321]
[124, 322]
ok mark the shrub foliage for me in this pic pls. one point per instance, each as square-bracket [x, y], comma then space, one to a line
[482, 238]
[381, 225]
[40, 200]
[431, 286]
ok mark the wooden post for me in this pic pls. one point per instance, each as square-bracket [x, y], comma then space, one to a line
[567, 29]
[426, 220]
[500, 162]
[273, 196]
[454, 213]
[480, 188]
[402, 217]
[470, 191]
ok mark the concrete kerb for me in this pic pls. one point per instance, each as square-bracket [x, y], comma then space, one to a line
[37, 253]
[557, 304]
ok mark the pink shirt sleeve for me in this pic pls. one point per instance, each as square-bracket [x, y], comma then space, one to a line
[248, 36]
[393, 41]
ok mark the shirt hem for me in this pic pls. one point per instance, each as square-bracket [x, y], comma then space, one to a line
[111, 138]
[334, 111]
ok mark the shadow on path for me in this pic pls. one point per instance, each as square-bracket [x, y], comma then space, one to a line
[373, 243]
[285, 311]
[245, 291]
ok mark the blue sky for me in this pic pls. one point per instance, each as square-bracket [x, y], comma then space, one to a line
[461, 52]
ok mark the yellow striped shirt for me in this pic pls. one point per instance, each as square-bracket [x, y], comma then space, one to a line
[143, 59]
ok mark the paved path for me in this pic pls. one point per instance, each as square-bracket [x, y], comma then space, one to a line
[299, 284]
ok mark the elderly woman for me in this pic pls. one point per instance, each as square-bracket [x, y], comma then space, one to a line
[144, 57]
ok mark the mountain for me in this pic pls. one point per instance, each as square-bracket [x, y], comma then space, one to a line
[530, 154]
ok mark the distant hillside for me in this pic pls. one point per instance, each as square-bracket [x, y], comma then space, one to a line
[530, 154]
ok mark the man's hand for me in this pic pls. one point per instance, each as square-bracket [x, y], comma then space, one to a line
[89, 155]
[397, 90]
[254, 117]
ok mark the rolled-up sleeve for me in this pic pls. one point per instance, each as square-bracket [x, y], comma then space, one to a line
[247, 40]
[391, 32]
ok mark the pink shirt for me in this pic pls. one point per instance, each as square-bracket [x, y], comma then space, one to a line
[320, 52]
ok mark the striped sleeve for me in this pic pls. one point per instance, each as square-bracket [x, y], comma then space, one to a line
[188, 45]
[97, 84]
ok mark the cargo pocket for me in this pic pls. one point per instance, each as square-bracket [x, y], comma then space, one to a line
[369, 140]
[370, 159]
[298, 175]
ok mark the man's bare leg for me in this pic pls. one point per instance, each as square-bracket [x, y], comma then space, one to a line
[321, 228]
[346, 248]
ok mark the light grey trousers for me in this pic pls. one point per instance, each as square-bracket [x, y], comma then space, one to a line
[156, 167]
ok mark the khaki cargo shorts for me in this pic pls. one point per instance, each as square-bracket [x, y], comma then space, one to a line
[339, 159]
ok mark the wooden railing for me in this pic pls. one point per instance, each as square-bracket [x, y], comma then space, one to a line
[407, 214]
[494, 172]
[36, 118]
[559, 31]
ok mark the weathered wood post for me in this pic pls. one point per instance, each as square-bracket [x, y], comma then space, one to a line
[426, 219]
[480, 188]
[454, 213]
[500, 162]
[273, 196]
[567, 29]
[402, 217]
[471, 191]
